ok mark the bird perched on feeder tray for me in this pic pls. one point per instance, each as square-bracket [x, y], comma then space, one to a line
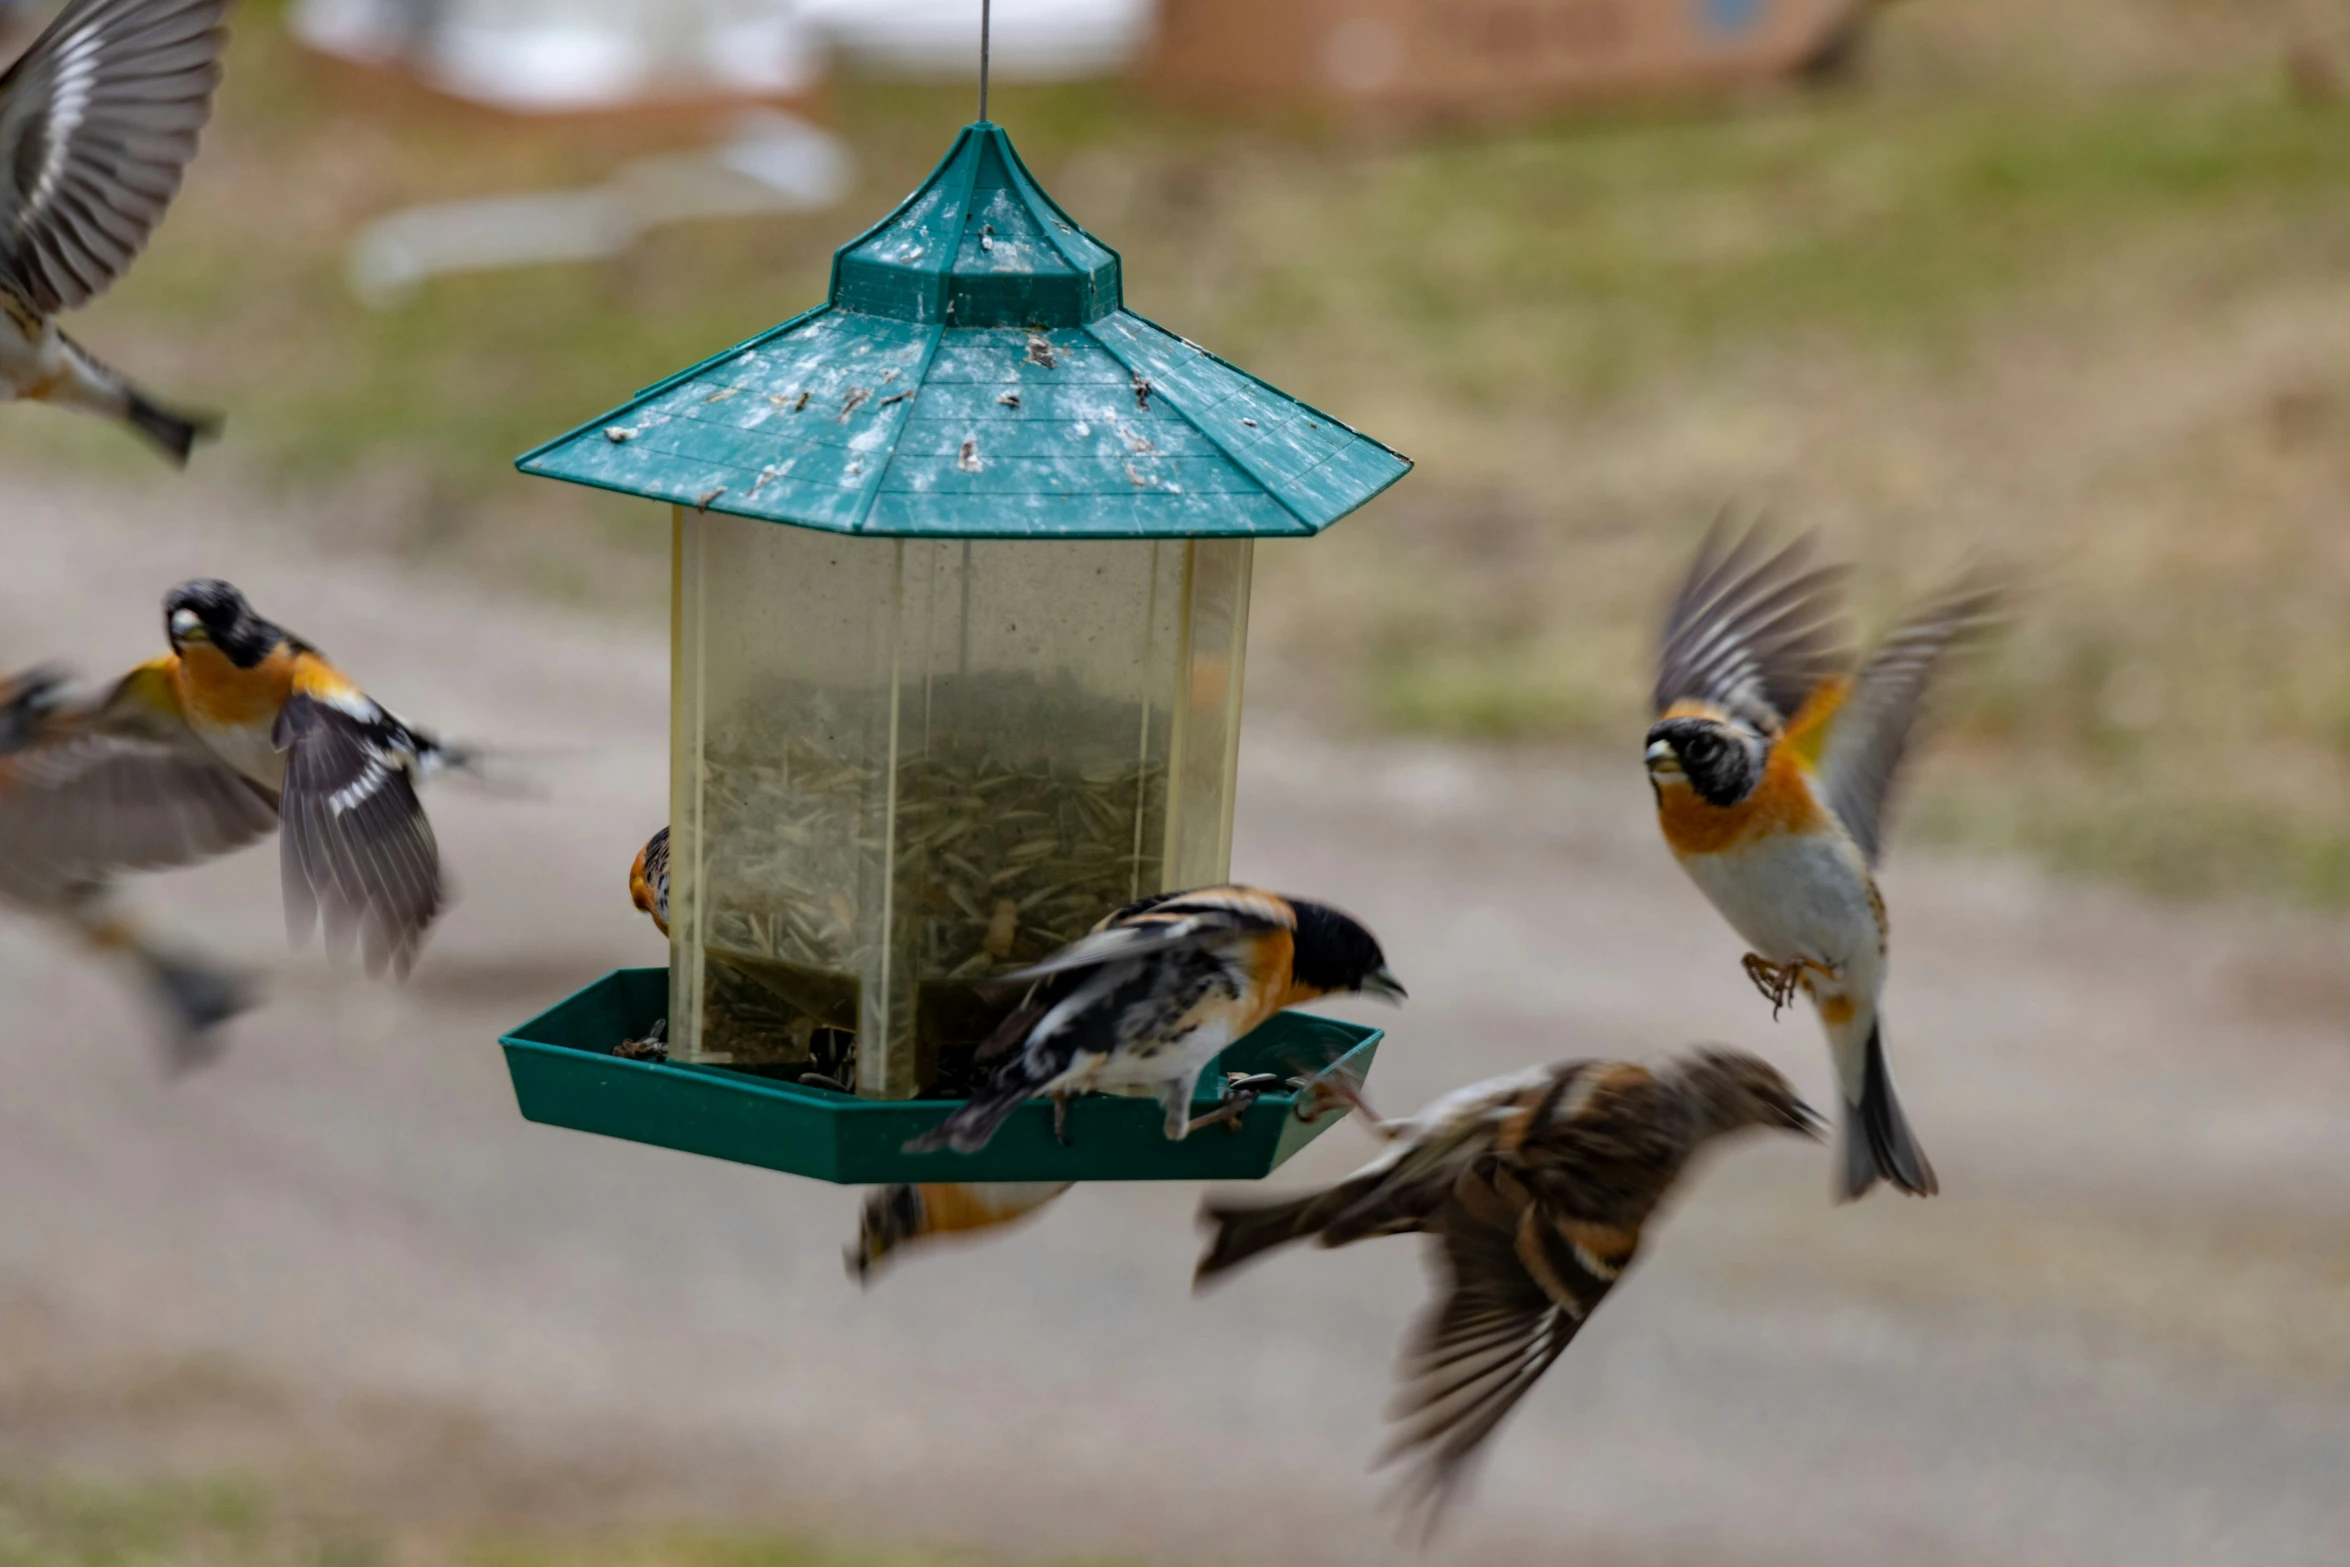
[1536, 1187]
[1772, 764]
[242, 726]
[98, 119]
[194, 997]
[1141, 1004]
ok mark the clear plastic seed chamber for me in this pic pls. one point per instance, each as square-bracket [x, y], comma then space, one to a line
[961, 586]
[906, 766]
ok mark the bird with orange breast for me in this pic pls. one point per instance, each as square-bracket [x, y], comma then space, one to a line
[39, 875]
[1772, 762]
[241, 727]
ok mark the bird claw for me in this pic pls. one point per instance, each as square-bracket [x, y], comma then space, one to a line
[1061, 1122]
[1332, 1089]
[1780, 982]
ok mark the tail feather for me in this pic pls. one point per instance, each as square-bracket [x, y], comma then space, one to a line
[1878, 1143]
[1245, 1230]
[196, 1000]
[970, 1127]
[176, 433]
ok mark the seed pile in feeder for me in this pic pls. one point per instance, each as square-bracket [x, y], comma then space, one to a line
[1024, 811]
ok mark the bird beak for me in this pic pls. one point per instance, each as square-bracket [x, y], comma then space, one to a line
[1803, 1118]
[185, 627]
[1662, 759]
[1381, 982]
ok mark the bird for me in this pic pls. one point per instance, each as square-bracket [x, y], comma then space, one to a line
[1142, 1003]
[193, 996]
[1535, 1186]
[99, 118]
[1772, 762]
[901, 1215]
[242, 727]
[648, 879]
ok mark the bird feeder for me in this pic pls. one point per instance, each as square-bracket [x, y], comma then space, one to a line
[960, 611]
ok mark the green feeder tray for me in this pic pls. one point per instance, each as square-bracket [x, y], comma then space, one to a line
[566, 1075]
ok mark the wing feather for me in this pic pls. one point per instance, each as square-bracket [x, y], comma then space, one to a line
[1754, 627]
[98, 121]
[1870, 732]
[359, 856]
[119, 785]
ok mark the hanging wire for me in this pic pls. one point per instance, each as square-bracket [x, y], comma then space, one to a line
[985, 6]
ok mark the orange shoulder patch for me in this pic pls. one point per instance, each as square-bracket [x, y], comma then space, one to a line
[1807, 731]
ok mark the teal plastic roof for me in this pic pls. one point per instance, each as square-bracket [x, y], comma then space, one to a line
[975, 375]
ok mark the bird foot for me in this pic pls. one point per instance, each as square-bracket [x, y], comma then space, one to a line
[1238, 1096]
[1331, 1089]
[1061, 1121]
[653, 1047]
[1780, 982]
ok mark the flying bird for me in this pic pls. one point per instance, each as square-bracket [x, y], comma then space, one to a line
[98, 120]
[1773, 763]
[193, 997]
[896, 1217]
[1141, 1004]
[1536, 1187]
[239, 728]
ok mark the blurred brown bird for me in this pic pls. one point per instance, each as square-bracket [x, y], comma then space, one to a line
[193, 997]
[1536, 1186]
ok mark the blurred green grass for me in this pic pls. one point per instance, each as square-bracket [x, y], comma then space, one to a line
[217, 1523]
[2066, 285]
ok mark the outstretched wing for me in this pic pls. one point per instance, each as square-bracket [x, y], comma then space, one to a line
[357, 851]
[98, 120]
[1519, 1290]
[1871, 730]
[119, 785]
[1754, 628]
[1166, 923]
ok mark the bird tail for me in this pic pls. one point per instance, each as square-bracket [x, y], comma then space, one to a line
[196, 1000]
[1878, 1143]
[1245, 1230]
[980, 1117]
[176, 433]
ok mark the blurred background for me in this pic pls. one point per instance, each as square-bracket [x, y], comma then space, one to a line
[2064, 284]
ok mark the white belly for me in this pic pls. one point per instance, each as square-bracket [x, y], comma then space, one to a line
[1144, 1074]
[1791, 895]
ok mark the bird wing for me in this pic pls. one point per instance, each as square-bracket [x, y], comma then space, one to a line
[1869, 732]
[1167, 923]
[1518, 1292]
[357, 848]
[120, 784]
[1754, 628]
[97, 121]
